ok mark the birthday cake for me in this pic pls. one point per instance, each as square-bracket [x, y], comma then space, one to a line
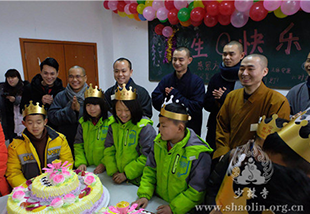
[123, 207]
[58, 190]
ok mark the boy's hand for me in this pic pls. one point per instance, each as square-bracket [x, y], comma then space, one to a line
[99, 169]
[82, 167]
[119, 177]
[142, 202]
[164, 209]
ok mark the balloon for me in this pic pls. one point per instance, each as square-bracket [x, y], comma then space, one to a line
[258, 11]
[164, 21]
[179, 4]
[141, 2]
[226, 8]
[186, 24]
[173, 16]
[140, 9]
[112, 5]
[196, 24]
[159, 29]
[149, 13]
[197, 14]
[127, 2]
[191, 6]
[184, 14]
[210, 21]
[167, 31]
[305, 6]
[133, 8]
[169, 4]
[126, 9]
[278, 13]
[162, 13]
[105, 5]
[121, 14]
[158, 4]
[290, 7]
[243, 5]
[205, 3]
[136, 16]
[272, 5]
[198, 3]
[120, 6]
[223, 20]
[213, 8]
[130, 16]
[238, 19]
[141, 17]
[148, 3]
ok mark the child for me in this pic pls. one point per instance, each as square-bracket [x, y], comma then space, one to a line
[38, 146]
[4, 186]
[129, 138]
[91, 132]
[178, 165]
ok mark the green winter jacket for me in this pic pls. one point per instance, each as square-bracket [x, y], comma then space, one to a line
[180, 175]
[89, 142]
[127, 146]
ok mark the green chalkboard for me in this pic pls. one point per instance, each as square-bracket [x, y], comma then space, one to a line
[285, 42]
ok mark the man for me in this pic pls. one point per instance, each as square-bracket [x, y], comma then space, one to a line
[299, 95]
[44, 86]
[221, 84]
[122, 74]
[243, 107]
[185, 86]
[67, 107]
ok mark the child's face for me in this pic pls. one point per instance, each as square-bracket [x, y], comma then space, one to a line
[122, 112]
[35, 124]
[168, 130]
[93, 110]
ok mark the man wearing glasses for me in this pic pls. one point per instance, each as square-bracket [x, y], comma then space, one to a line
[67, 107]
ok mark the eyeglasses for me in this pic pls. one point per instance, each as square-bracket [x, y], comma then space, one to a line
[76, 77]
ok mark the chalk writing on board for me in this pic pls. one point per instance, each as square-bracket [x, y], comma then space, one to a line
[289, 40]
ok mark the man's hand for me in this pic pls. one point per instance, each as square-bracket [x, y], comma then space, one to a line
[164, 209]
[75, 104]
[218, 93]
[82, 167]
[119, 177]
[99, 169]
[47, 99]
[168, 90]
[11, 98]
[142, 202]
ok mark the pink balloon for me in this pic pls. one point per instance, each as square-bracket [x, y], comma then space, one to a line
[149, 13]
[126, 9]
[239, 19]
[167, 31]
[290, 7]
[158, 4]
[243, 5]
[305, 6]
[162, 13]
[179, 4]
[272, 5]
[113, 5]
[127, 2]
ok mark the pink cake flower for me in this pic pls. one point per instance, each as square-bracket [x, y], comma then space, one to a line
[19, 188]
[89, 179]
[57, 203]
[18, 195]
[69, 198]
[58, 179]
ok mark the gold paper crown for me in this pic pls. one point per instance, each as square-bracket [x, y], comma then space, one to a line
[173, 115]
[33, 109]
[125, 94]
[93, 92]
[265, 129]
[290, 135]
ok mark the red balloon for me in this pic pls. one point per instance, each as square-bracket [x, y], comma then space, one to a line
[105, 5]
[223, 20]
[213, 8]
[197, 14]
[258, 11]
[159, 29]
[169, 4]
[133, 8]
[120, 6]
[226, 8]
[173, 16]
[210, 21]
[196, 24]
[174, 22]
[115, 11]
[205, 3]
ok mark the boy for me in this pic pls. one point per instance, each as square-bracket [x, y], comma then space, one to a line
[178, 165]
[38, 146]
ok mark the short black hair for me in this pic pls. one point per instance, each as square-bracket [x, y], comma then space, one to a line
[134, 107]
[176, 108]
[43, 115]
[50, 62]
[13, 73]
[95, 101]
[183, 48]
[123, 59]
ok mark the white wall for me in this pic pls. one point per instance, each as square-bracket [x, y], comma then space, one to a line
[78, 21]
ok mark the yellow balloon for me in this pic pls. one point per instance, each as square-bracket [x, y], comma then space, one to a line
[140, 8]
[130, 16]
[278, 13]
[121, 14]
[220, 1]
[198, 3]
[148, 3]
